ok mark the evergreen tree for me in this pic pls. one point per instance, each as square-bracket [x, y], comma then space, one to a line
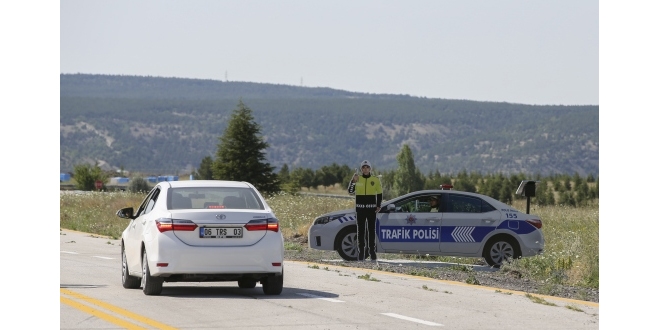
[327, 175]
[577, 180]
[590, 178]
[138, 185]
[550, 193]
[407, 177]
[463, 183]
[205, 170]
[386, 181]
[566, 199]
[87, 175]
[582, 193]
[345, 175]
[284, 174]
[241, 153]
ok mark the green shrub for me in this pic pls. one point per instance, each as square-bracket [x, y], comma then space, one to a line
[137, 185]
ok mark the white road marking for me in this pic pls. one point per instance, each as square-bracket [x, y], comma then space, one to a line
[69, 252]
[319, 297]
[433, 324]
[103, 257]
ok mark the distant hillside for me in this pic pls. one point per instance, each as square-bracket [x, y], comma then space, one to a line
[167, 125]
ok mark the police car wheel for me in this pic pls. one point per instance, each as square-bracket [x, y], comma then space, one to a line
[346, 243]
[500, 250]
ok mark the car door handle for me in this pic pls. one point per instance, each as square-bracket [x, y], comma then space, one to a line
[488, 220]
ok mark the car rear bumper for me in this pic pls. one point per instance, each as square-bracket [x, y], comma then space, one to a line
[169, 256]
[532, 244]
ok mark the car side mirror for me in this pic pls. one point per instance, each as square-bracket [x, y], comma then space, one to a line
[126, 213]
[390, 208]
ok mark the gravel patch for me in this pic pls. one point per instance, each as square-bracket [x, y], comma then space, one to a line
[472, 274]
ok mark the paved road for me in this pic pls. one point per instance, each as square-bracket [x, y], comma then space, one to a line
[323, 297]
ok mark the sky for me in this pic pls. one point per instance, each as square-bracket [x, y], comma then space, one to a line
[531, 52]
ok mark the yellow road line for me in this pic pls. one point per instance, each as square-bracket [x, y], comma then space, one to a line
[117, 310]
[99, 314]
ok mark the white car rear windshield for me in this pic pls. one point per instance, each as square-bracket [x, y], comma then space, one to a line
[213, 198]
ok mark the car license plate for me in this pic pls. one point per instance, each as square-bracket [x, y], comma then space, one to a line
[221, 232]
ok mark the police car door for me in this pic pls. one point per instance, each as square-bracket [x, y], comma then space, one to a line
[409, 227]
[466, 220]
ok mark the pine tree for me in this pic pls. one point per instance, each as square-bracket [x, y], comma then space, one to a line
[407, 177]
[87, 175]
[284, 173]
[241, 153]
[205, 170]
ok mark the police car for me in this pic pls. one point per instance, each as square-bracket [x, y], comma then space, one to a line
[466, 225]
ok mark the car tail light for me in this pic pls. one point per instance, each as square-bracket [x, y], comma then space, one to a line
[263, 224]
[535, 222]
[166, 224]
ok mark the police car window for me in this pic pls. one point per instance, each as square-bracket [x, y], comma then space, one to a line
[462, 204]
[485, 207]
[417, 204]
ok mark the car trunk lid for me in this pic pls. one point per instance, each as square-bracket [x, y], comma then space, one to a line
[222, 228]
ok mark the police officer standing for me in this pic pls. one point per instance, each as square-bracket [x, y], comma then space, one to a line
[368, 197]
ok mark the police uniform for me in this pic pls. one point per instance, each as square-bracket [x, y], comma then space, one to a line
[368, 197]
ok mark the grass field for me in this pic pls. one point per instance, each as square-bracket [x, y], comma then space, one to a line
[571, 234]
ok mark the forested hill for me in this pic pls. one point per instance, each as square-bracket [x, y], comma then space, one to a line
[167, 125]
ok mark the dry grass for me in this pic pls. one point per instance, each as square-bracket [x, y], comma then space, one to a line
[571, 234]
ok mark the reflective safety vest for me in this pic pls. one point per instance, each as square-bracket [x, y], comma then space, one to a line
[368, 192]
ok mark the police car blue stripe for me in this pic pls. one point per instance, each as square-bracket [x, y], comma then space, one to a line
[517, 226]
[346, 218]
[463, 234]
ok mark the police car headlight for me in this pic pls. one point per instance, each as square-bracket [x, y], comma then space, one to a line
[321, 220]
[325, 219]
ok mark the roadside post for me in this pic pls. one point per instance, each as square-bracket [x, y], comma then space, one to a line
[527, 188]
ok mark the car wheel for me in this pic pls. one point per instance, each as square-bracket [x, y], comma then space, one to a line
[500, 249]
[128, 281]
[247, 284]
[151, 286]
[346, 243]
[273, 284]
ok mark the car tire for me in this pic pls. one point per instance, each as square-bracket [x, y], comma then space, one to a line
[151, 286]
[346, 243]
[247, 284]
[500, 249]
[128, 281]
[273, 284]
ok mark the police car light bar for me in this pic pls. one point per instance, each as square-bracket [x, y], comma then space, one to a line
[446, 187]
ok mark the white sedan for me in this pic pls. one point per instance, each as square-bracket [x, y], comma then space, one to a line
[466, 225]
[202, 231]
